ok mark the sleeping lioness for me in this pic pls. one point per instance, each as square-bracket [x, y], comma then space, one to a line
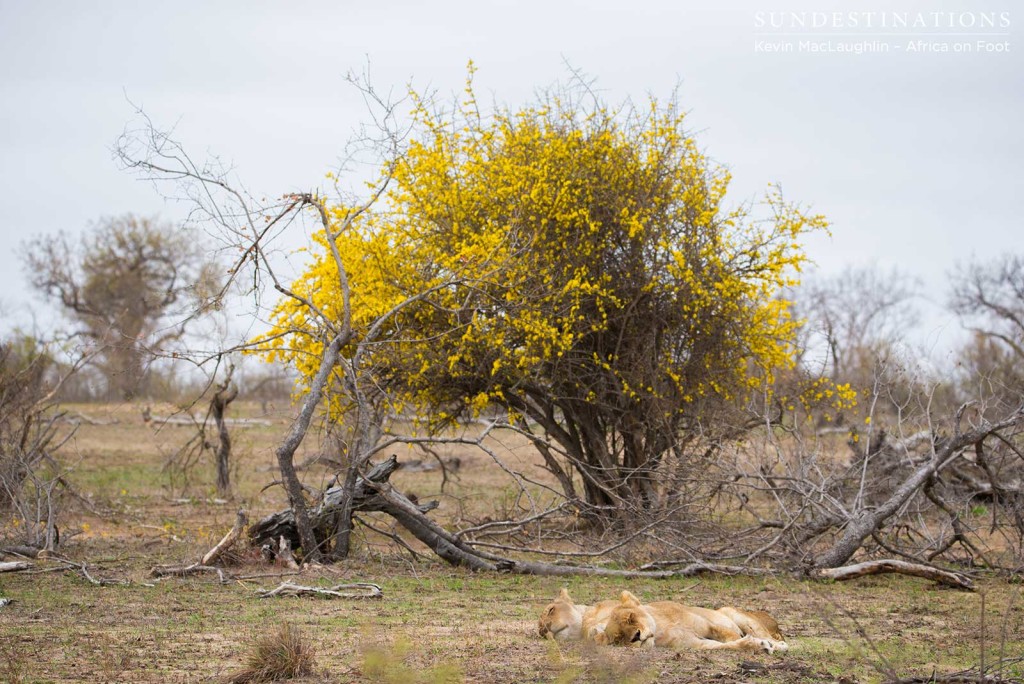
[670, 624]
[565, 620]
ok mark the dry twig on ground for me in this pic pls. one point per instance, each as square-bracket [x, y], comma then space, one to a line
[368, 591]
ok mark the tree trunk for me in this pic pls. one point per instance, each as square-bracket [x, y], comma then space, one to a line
[363, 497]
[307, 540]
[286, 451]
[125, 368]
[343, 515]
[218, 404]
[445, 545]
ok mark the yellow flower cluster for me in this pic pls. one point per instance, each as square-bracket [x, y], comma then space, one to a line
[581, 254]
[820, 398]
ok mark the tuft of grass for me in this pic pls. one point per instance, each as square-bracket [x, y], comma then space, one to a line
[12, 662]
[388, 666]
[283, 654]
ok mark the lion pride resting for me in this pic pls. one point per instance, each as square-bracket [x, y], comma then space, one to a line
[662, 623]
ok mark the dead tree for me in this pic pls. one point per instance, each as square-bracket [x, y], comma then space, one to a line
[364, 496]
[181, 463]
[248, 225]
[944, 452]
[132, 285]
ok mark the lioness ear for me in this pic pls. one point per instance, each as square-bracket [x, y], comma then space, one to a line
[564, 595]
[628, 599]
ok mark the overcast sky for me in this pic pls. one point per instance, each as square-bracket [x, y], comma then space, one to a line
[916, 156]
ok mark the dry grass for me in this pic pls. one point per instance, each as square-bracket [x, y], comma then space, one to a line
[282, 654]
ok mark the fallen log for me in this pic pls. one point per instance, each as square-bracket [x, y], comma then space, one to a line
[942, 454]
[373, 492]
[688, 570]
[14, 566]
[77, 418]
[83, 570]
[160, 571]
[849, 572]
[188, 419]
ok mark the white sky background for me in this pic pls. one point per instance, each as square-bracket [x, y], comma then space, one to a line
[917, 159]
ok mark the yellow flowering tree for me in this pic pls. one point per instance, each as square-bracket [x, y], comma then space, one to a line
[585, 274]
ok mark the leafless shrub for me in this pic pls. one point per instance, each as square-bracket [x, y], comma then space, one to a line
[31, 478]
[989, 299]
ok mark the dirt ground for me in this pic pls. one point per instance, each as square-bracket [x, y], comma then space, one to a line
[434, 623]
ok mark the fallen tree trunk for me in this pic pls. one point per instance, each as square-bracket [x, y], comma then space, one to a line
[688, 570]
[373, 492]
[270, 529]
[188, 420]
[944, 452]
[229, 539]
[14, 566]
[77, 418]
[849, 572]
[160, 571]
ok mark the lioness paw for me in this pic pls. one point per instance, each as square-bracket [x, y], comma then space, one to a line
[771, 646]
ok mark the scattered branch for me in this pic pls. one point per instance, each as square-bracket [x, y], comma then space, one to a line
[212, 556]
[229, 539]
[83, 569]
[369, 591]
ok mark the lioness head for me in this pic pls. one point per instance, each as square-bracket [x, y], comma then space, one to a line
[629, 625]
[768, 622]
[561, 619]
